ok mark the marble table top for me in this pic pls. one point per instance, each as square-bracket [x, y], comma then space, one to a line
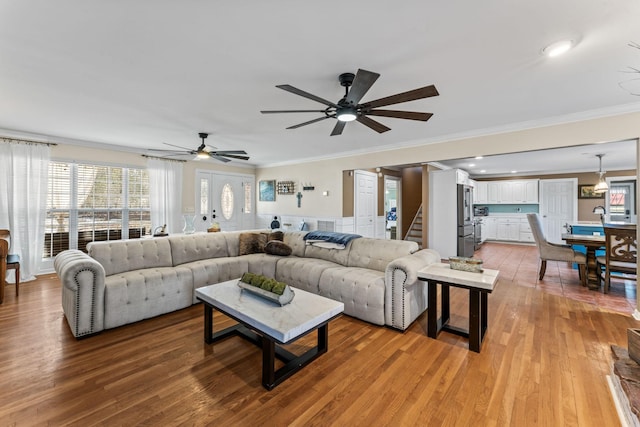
[441, 271]
[306, 312]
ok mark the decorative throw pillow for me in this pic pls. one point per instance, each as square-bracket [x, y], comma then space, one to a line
[276, 235]
[276, 247]
[252, 243]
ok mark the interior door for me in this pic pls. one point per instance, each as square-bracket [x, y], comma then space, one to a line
[558, 206]
[366, 201]
[226, 199]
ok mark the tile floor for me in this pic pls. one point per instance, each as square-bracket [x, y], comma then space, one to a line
[520, 264]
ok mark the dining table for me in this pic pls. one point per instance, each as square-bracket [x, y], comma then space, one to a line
[592, 242]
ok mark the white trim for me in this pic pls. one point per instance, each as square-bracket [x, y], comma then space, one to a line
[636, 314]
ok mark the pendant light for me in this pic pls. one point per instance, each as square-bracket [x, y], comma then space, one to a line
[601, 186]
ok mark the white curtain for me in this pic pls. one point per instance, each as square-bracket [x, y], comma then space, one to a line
[23, 197]
[165, 193]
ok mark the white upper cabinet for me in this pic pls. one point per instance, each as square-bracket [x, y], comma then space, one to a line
[522, 191]
[480, 192]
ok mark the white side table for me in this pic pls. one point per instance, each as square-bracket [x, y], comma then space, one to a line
[479, 286]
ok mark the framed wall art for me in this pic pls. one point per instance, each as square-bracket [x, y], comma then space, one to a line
[587, 192]
[267, 191]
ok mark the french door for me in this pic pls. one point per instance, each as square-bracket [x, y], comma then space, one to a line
[226, 199]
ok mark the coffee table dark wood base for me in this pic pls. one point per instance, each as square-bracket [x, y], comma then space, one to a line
[270, 348]
[477, 314]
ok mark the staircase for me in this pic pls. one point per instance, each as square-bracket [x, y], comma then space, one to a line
[415, 230]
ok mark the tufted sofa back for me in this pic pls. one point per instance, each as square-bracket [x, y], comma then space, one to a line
[118, 256]
[375, 254]
[196, 247]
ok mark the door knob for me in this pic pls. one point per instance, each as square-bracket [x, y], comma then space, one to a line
[204, 217]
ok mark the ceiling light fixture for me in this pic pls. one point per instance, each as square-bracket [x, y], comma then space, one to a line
[346, 114]
[557, 48]
[601, 186]
[478, 157]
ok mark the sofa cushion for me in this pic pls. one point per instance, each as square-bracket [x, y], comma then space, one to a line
[339, 256]
[375, 254]
[360, 289]
[117, 256]
[303, 273]
[295, 240]
[276, 247]
[215, 270]
[252, 243]
[136, 295]
[194, 247]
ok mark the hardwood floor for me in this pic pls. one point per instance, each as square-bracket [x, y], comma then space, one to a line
[543, 362]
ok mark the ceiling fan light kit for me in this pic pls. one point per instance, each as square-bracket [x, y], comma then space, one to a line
[349, 109]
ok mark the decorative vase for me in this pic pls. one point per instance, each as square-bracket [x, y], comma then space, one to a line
[189, 224]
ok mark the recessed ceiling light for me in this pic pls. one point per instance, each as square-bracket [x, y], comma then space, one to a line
[471, 165]
[478, 157]
[514, 171]
[482, 171]
[557, 48]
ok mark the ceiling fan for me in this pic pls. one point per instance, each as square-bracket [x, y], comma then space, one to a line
[202, 152]
[349, 109]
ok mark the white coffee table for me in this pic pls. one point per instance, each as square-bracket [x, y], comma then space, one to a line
[479, 286]
[272, 324]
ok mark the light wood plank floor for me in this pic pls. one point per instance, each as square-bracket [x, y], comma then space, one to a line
[543, 362]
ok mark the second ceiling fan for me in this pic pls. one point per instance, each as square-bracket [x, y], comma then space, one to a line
[348, 108]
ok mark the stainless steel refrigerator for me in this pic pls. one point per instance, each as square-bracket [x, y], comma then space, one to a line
[466, 238]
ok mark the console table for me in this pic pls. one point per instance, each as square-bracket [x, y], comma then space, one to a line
[479, 286]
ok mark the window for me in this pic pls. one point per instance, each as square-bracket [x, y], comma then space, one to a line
[87, 203]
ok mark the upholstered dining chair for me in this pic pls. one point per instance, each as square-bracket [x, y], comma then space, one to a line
[13, 260]
[621, 253]
[555, 252]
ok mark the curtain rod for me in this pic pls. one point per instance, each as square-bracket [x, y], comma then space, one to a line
[25, 141]
[163, 158]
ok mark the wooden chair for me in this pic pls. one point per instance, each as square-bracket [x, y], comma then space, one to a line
[12, 262]
[555, 252]
[621, 255]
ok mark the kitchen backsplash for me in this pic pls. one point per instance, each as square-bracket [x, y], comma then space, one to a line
[502, 209]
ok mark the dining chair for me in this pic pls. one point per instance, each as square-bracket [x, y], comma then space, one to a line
[12, 260]
[555, 252]
[621, 253]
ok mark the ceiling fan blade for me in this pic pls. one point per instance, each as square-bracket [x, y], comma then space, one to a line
[410, 115]
[361, 84]
[231, 156]
[423, 92]
[225, 152]
[377, 126]
[291, 111]
[307, 95]
[184, 148]
[338, 128]
[222, 159]
[308, 123]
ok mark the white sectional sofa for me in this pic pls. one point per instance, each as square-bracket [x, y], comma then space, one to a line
[124, 281]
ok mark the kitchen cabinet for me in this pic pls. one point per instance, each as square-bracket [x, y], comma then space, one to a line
[508, 229]
[489, 228]
[493, 192]
[480, 193]
[462, 177]
[512, 192]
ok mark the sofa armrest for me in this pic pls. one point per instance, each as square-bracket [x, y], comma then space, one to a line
[82, 280]
[405, 298]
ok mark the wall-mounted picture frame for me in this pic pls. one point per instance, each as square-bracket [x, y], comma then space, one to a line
[587, 192]
[267, 191]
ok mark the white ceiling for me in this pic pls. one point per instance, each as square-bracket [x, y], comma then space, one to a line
[140, 73]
